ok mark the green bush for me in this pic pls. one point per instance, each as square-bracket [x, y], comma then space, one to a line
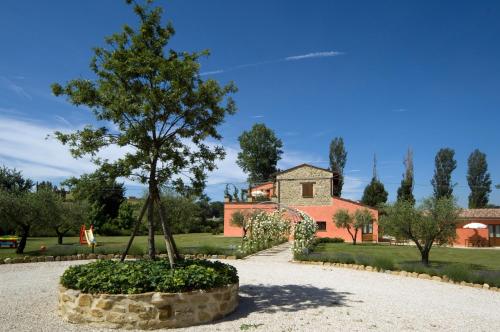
[457, 272]
[132, 277]
[363, 260]
[418, 268]
[329, 240]
[384, 263]
[344, 258]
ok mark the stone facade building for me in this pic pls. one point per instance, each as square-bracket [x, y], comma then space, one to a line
[306, 188]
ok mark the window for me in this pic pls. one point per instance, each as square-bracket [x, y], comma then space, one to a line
[321, 226]
[307, 189]
[494, 230]
[368, 229]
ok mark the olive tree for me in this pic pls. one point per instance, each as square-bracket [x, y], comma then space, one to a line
[435, 220]
[352, 222]
[163, 116]
[26, 211]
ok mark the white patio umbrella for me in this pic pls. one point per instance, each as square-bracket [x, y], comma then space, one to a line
[475, 225]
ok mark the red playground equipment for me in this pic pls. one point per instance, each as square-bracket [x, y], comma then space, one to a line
[84, 235]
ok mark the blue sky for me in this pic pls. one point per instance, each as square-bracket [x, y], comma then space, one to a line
[384, 75]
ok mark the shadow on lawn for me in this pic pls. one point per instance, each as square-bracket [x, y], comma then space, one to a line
[285, 298]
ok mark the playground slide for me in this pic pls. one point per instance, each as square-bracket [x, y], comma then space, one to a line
[89, 236]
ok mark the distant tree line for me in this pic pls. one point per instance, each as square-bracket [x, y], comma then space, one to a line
[44, 209]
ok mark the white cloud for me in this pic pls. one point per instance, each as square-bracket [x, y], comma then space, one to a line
[63, 120]
[353, 187]
[288, 58]
[213, 72]
[400, 110]
[257, 116]
[14, 87]
[313, 55]
[26, 146]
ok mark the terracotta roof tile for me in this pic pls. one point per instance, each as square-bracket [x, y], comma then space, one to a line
[480, 213]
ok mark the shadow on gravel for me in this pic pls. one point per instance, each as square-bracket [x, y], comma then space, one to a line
[285, 298]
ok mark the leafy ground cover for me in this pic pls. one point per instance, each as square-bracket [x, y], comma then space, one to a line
[141, 276]
[200, 243]
[470, 265]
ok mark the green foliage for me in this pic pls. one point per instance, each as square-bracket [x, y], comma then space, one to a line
[153, 104]
[304, 234]
[264, 230]
[374, 194]
[445, 164]
[102, 192]
[435, 220]
[260, 153]
[12, 180]
[479, 180]
[405, 191]
[133, 277]
[338, 159]
[383, 263]
[68, 217]
[25, 212]
[184, 214]
[319, 240]
[352, 222]
[458, 272]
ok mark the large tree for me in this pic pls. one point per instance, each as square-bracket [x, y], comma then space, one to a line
[12, 180]
[103, 193]
[260, 153]
[374, 194]
[338, 159]
[478, 179]
[68, 216]
[405, 190]
[26, 211]
[163, 115]
[435, 220]
[445, 164]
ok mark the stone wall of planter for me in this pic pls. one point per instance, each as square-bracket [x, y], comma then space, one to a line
[148, 310]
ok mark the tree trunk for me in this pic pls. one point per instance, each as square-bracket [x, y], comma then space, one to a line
[136, 228]
[166, 234]
[424, 253]
[60, 235]
[24, 237]
[166, 227]
[353, 236]
[151, 231]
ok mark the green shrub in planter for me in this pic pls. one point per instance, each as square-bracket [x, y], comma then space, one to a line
[133, 277]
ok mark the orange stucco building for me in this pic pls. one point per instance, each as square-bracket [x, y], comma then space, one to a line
[306, 188]
[479, 237]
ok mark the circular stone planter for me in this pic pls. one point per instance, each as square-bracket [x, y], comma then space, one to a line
[147, 311]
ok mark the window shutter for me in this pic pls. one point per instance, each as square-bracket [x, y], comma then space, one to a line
[307, 189]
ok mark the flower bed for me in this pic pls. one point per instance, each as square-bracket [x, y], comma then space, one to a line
[147, 294]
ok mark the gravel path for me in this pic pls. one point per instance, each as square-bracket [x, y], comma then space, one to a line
[280, 296]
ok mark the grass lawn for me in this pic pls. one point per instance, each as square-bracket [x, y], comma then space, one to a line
[486, 258]
[472, 265]
[204, 243]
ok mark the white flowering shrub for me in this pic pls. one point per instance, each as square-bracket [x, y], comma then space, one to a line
[265, 230]
[304, 233]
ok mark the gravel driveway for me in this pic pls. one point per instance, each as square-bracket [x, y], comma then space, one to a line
[280, 296]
